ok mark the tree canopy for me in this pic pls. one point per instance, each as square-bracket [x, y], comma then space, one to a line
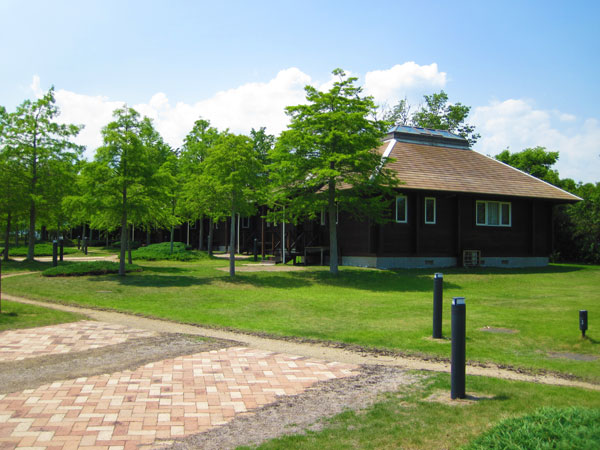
[43, 155]
[327, 158]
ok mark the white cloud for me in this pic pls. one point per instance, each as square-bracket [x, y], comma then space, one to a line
[35, 87]
[516, 124]
[94, 112]
[404, 80]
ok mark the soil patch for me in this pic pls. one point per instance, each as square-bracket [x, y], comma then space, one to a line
[498, 330]
[33, 372]
[572, 356]
[306, 411]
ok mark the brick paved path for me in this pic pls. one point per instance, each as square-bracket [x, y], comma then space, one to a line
[163, 400]
[17, 345]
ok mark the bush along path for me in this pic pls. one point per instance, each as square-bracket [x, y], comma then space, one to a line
[312, 349]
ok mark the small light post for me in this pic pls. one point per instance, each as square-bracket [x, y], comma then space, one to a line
[438, 295]
[54, 253]
[255, 249]
[583, 321]
[61, 243]
[457, 372]
[84, 245]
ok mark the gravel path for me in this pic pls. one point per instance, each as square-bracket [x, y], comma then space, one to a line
[340, 353]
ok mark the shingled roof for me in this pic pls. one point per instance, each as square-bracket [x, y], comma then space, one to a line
[441, 161]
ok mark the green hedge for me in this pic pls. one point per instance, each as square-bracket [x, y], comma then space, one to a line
[547, 428]
[162, 251]
[74, 269]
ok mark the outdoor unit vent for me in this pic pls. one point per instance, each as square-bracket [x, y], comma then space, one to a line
[471, 258]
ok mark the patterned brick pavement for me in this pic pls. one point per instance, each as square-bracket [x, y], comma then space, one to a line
[163, 400]
[64, 338]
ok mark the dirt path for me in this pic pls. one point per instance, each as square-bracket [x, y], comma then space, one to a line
[311, 350]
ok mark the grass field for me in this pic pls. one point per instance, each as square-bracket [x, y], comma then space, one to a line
[408, 419]
[19, 315]
[373, 308]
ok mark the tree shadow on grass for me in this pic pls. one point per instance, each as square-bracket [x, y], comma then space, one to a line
[156, 281]
[368, 280]
[164, 269]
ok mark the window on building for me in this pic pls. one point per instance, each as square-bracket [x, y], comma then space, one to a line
[430, 210]
[245, 222]
[493, 214]
[401, 209]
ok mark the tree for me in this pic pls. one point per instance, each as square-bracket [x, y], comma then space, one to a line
[126, 181]
[231, 176]
[327, 158]
[196, 147]
[435, 113]
[44, 151]
[535, 161]
[438, 114]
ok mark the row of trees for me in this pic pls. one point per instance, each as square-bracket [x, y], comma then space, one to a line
[325, 160]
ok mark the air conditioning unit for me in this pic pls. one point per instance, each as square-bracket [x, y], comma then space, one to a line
[471, 258]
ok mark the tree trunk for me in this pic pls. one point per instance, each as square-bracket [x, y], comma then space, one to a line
[123, 235]
[211, 228]
[7, 236]
[148, 237]
[201, 234]
[129, 246]
[232, 243]
[333, 248]
[107, 238]
[31, 237]
[172, 238]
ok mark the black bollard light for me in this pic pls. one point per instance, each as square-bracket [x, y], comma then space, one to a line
[255, 249]
[457, 372]
[438, 295]
[583, 321]
[61, 244]
[54, 253]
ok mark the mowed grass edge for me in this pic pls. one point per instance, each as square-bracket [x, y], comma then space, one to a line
[536, 310]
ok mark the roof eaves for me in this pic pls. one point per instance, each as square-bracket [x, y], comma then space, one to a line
[575, 197]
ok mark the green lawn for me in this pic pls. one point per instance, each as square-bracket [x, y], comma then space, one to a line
[387, 309]
[406, 419]
[19, 315]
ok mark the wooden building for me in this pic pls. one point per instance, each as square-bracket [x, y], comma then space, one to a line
[454, 207]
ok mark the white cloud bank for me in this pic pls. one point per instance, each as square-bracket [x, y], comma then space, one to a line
[513, 123]
[516, 124]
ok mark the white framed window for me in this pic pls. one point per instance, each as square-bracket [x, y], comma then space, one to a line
[401, 209]
[430, 210]
[245, 222]
[493, 214]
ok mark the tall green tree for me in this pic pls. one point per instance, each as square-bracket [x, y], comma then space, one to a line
[439, 114]
[436, 112]
[196, 147]
[327, 158]
[536, 161]
[231, 176]
[45, 152]
[126, 180]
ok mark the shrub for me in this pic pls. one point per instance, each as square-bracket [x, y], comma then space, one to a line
[544, 429]
[117, 244]
[162, 251]
[74, 269]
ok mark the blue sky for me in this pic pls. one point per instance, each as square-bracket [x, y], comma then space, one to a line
[529, 70]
